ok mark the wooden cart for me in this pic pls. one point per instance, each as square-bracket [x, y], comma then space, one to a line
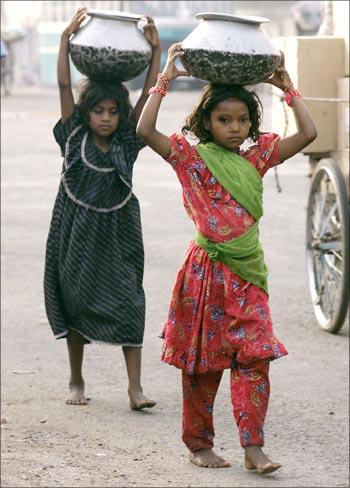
[320, 68]
[327, 236]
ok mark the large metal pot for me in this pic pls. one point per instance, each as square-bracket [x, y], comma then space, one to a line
[110, 46]
[230, 49]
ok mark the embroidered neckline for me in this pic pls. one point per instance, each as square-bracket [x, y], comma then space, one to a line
[92, 207]
[90, 165]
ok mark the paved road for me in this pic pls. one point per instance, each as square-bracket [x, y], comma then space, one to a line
[47, 443]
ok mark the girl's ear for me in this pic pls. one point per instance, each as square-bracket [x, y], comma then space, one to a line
[206, 124]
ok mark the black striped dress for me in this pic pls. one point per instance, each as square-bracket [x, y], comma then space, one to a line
[94, 252]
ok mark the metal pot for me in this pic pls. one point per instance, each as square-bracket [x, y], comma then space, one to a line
[230, 49]
[110, 47]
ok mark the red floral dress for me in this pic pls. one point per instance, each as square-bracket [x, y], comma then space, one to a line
[216, 319]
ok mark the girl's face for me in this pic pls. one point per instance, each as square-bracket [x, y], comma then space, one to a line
[229, 124]
[104, 118]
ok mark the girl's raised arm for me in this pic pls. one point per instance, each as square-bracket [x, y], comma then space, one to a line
[306, 129]
[63, 71]
[146, 127]
[151, 34]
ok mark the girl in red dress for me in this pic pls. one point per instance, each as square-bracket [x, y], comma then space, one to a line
[219, 315]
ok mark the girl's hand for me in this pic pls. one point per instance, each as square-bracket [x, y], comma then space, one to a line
[170, 70]
[151, 33]
[76, 21]
[280, 77]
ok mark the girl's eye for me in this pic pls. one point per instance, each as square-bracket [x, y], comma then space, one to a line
[245, 120]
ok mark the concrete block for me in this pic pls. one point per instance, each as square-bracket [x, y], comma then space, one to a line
[343, 114]
[314, 64]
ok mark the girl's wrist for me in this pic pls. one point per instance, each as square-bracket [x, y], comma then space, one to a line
[166, 75]
[289, 94]
[65, 36]
[288, 88]
[156, 49]
[161, 86]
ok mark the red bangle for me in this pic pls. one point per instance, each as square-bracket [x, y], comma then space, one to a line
[157, 89]
[289, 87]
[290, 94]
[160, 89]
[164, 79]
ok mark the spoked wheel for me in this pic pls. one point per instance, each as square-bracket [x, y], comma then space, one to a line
[328, 245]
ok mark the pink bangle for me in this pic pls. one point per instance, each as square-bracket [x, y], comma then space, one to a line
[164, 79]
[160, 89]
[157, 89]
[291, 93]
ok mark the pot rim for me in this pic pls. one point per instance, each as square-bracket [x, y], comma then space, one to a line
[247, 19]
[114, 14]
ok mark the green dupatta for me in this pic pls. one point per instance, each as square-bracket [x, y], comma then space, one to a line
[244, 254]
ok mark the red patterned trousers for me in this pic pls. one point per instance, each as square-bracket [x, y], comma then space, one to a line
[250, 390]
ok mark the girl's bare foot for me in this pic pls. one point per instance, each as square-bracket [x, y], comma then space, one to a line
[77, 394]
[255, 458]
[138, 401]
[206, 458]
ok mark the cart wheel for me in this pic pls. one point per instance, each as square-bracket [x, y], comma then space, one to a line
[328, 245]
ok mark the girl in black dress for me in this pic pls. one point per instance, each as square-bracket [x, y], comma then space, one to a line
[94, 253]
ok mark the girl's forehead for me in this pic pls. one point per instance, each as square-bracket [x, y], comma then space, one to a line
[107, 103]
[231, 105]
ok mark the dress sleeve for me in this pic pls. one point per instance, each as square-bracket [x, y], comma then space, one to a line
[268, 152]
[264, 154]
[180, 151]
[62, 130]
[132, 144]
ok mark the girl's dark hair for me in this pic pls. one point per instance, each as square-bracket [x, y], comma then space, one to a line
[92, 92]
[213, 94]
